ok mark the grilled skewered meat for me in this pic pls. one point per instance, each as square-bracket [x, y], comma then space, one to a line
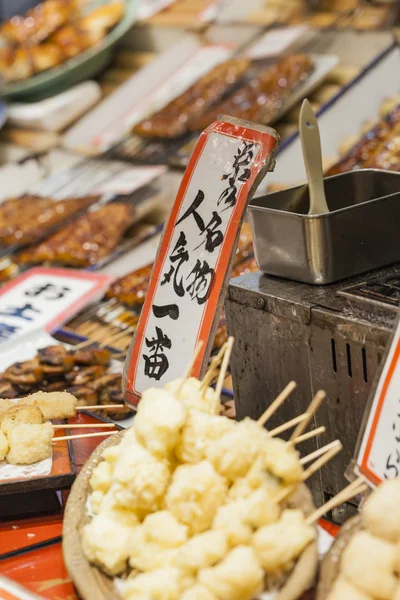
[175, 119]
[86, 241]
[132, 288]
[261, 99]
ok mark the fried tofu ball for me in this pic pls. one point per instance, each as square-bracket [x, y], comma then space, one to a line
[278, 545]
[257, 476]
[30, 443]
[381, 513]
[193, 397]
[96, 499]
[282, 460]
[106, 539]
[163, 584]
[261, 509]
[198, 592]
[345, 590]
[238, 577]
[194, 495]
[54, 405]
[154, 544]
[4, 447]
[18, 415]
[200, 430]
[158, 422]
[201, 551]
[235, 451]
[369, 563]
[140, 480]
[229, 520]
[101, 478]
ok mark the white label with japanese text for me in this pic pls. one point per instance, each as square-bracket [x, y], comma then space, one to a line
[46, 298]
[379, 455]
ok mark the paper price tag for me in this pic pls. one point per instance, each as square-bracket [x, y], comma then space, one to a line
[378, 457]
[194, 257]
[46, 298]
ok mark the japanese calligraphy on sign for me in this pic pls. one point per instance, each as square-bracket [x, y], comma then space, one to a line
[45, 298]
[195, 252]
[378, 456]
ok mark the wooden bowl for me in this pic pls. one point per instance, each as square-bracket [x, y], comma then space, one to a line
[91, 582]
[331, 563]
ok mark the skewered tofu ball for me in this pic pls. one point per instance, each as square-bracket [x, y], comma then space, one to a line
[158, 422]
[198, 592]
[154, 544]
[195, 397]
[278, 545]
[163, 584]
[345, 590]
[106, 539]
[257, 476]
[18, 415]
[54, 405]
[381, 511]
[235, 451]
[140, 479]
[4, 447]
[282, 460]
[238, 577]
[194, 495]
[29, 443]
[229, 520]
[199, 431]
[369, 563]
[201, 551]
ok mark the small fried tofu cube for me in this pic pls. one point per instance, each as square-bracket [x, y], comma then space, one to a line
[199, 431]
[201, 551]
[54, 405]
[198, 592]
[18, 415]
[194, 495]
[106, 540]
[345, 590]
[381, 513]
[163, 584]
[95, 501]
[158, 422]
[192, 396]
[4, 447]
[101, 478]
[238, 577]
[229, 520]
[30, 443]
[279, 544]
[282, 460]
[369, 563]
[257, 476]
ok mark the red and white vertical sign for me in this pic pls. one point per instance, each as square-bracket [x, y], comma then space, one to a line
[378, 457]
[191, 271]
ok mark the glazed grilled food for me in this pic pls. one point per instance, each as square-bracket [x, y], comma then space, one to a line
[50, 34]
[175, 119]
[86, 241]
[83, 373]
[132, 289]
[377, 149]
[26, 219]
[262, 98]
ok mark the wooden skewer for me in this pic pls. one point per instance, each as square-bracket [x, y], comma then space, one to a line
[313, 468]
[311, 410]
[118, 336]
[357, 487]
[84, 426]
[224, 366]
[308, 435]
[83, 435]
[272, 408]
[287, 425]
[212, 370]
[100, 406]
[189, 368]
[317, 453]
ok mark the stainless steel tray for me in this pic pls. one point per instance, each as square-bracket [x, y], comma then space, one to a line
[360, 233]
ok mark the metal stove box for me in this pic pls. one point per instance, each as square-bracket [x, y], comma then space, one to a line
[330, 338]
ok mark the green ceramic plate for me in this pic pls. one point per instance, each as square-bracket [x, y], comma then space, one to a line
[83, 66]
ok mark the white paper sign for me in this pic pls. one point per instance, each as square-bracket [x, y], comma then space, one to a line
[46, 298]
[379, 454]
[195, 251]
[275, 42]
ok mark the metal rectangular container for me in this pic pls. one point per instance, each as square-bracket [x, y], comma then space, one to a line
[360, 233]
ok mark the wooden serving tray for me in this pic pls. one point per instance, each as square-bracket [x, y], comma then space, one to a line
[91, 583]
[330, 565]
